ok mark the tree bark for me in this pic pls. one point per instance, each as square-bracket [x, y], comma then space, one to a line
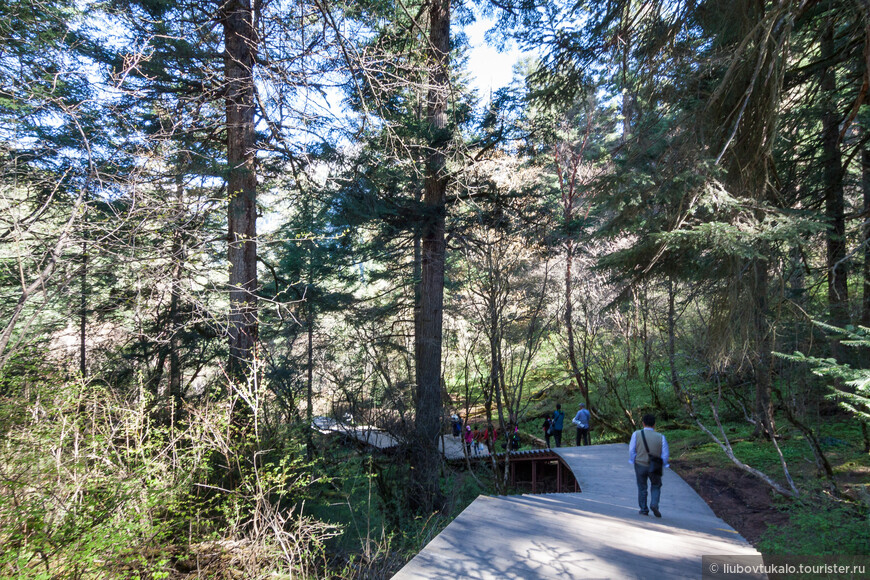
[645, 340]
[83, 313]
[569, 318]
[175, 343]
[418, 275]
[240, 42]
[309, 381]
[625, 42]
[838, 296]
[865, 237]
[426, 493]
[175, 387]
[672, 352]
[762, 358]
[567, 185]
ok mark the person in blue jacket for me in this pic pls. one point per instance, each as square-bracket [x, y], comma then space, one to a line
[581, 421]
[558, 421]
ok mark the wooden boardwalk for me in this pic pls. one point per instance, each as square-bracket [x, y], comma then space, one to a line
[366, 434]
[597, 533]
[451, 447]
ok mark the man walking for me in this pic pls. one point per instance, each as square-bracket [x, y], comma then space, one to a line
[558, 421]
[581, 420]
[646, 446]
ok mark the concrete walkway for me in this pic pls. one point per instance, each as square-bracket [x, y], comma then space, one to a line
[593, 534]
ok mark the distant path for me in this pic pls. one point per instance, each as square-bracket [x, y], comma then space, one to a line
[451, 447]
[594, 534]
[364, 433]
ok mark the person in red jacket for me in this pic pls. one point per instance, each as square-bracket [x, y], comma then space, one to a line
[489, 437]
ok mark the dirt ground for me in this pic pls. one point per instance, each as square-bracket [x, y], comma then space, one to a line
[743, 501]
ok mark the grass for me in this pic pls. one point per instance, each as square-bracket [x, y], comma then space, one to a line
[820, 526]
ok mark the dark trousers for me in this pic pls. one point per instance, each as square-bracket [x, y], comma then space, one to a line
[547, 437]
[655, 487]
[582, 436]
[557, 435]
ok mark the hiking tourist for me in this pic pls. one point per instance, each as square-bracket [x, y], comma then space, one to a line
[648, 452]
[581, 421]
[548, 425]
[469, 437]
[489, 438]
[558, 421]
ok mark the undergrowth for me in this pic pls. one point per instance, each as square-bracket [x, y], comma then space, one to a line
[92, 485]
[820, 526]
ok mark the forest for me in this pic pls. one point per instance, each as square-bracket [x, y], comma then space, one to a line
[226, 222]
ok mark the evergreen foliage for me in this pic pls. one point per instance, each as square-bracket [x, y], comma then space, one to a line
[229, 229]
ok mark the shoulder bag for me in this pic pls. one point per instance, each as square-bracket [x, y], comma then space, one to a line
[656, 465]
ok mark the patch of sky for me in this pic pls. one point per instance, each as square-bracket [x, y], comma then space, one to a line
[491, 60]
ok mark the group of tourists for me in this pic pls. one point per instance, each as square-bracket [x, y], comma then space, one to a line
[648, 449]
[553, 425]
[473, 438]
[648, 453]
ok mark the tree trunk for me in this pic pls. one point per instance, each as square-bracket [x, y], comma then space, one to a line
[175, 344]
[309, 381]
[239, 55]
[586, 348]
[426, 493]
[838, 297]
[672, 353]
[645, 340]
[83, 313]
[496, 368]
[569, 318]
[625, 42]
[630, 322]
[174, 310]
[762, 358]
[865, 237]
[418, 259]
